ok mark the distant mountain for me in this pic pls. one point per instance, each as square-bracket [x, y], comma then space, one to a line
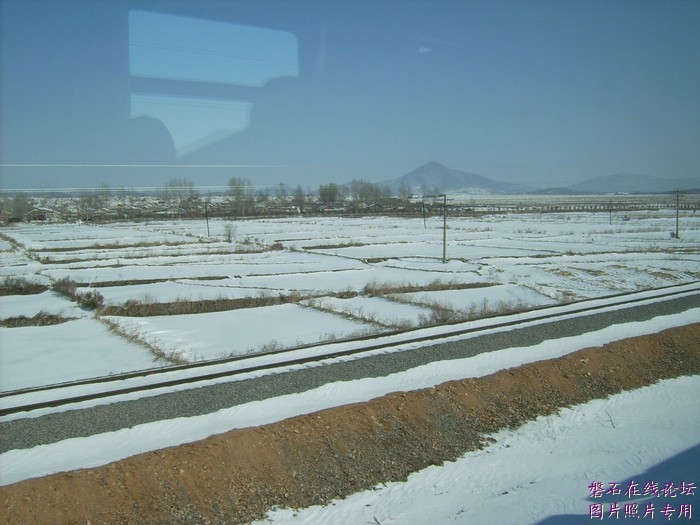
[631, 183]
[436, 176]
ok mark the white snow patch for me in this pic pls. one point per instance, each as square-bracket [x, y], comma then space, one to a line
[81, 349]
[540, 473]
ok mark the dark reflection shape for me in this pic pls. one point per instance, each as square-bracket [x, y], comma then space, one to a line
[149, 142]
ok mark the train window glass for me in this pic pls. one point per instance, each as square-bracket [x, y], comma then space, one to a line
[185, 73]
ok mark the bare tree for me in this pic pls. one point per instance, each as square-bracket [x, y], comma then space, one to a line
[281, 191]
[328, 193]
[21, 205]
[299, 198]
[240, 190]
[230, 232]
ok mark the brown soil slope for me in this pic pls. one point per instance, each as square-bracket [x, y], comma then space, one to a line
[235, 477]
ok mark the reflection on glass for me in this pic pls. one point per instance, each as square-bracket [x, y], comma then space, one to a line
[193, 122]
[174, 51]
[182, 48]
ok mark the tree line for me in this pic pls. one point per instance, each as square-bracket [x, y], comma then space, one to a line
[179, 196]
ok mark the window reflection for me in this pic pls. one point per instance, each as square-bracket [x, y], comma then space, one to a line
[196, 76]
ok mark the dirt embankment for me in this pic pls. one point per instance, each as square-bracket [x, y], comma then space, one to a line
[237, 476]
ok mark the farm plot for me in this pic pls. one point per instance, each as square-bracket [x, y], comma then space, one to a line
[185, 338]
[379, 310]
[175, 291]
[30, 305]
[499, 299]
[59, 237]
[170, 292]
[79, 349]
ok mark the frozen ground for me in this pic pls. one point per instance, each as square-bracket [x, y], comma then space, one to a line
[42, 355]
[365, 274]
[29, 305]
[238, 332]
[502, 295]
[103, 448]
[541, 472]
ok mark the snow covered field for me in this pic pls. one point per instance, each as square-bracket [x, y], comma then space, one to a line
[96, 450]
[311, 279]
[43, 355]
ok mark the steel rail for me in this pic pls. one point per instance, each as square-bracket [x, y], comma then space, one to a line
[318, 357]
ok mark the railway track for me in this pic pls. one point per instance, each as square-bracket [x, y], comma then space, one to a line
[149, 381]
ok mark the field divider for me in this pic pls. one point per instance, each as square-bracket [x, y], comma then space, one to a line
[533, 315]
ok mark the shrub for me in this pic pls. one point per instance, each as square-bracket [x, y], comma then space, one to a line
[65, 286]
[68, 287]
[92, 299]
[18, 286]
[40, 319]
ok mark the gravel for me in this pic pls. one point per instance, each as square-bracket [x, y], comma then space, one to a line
[26, 433]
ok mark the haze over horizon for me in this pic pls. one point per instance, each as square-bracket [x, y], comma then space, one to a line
[541, 93]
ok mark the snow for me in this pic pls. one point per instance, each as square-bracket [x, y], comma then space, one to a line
[203, 265]
[100, 449]
[353, 280]
[378, 309]
[238, 332]
[399, 342]
[81, 349]
[540, 473]
[30, 305]
[532, 258]
[62, 236]
[177, 290]
[485, 299]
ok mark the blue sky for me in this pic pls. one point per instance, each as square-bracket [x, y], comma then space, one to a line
[546, 93]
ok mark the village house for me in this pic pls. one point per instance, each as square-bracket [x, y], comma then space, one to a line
[42, 214]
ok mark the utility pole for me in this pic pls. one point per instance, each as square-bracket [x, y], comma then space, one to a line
[206, 214]
[444, 228]
[610, 207]
[678, 198]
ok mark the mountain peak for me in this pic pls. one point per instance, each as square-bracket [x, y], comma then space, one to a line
[433, 164]
[435, 176]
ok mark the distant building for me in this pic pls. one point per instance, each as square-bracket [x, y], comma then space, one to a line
[42, 214]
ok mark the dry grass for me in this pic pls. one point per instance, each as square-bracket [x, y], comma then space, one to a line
[67, 287]
[15, 243]
[593, 271]
[374, 260]
[127, 258]
[334, 246]
[115, 246]
[129, 282]
[560, 272]
[18, 286]
[356, 314]
[182, 306]
[133, 336]
[40, 319]
[256, 246]
[375, 289]
[444, 314]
